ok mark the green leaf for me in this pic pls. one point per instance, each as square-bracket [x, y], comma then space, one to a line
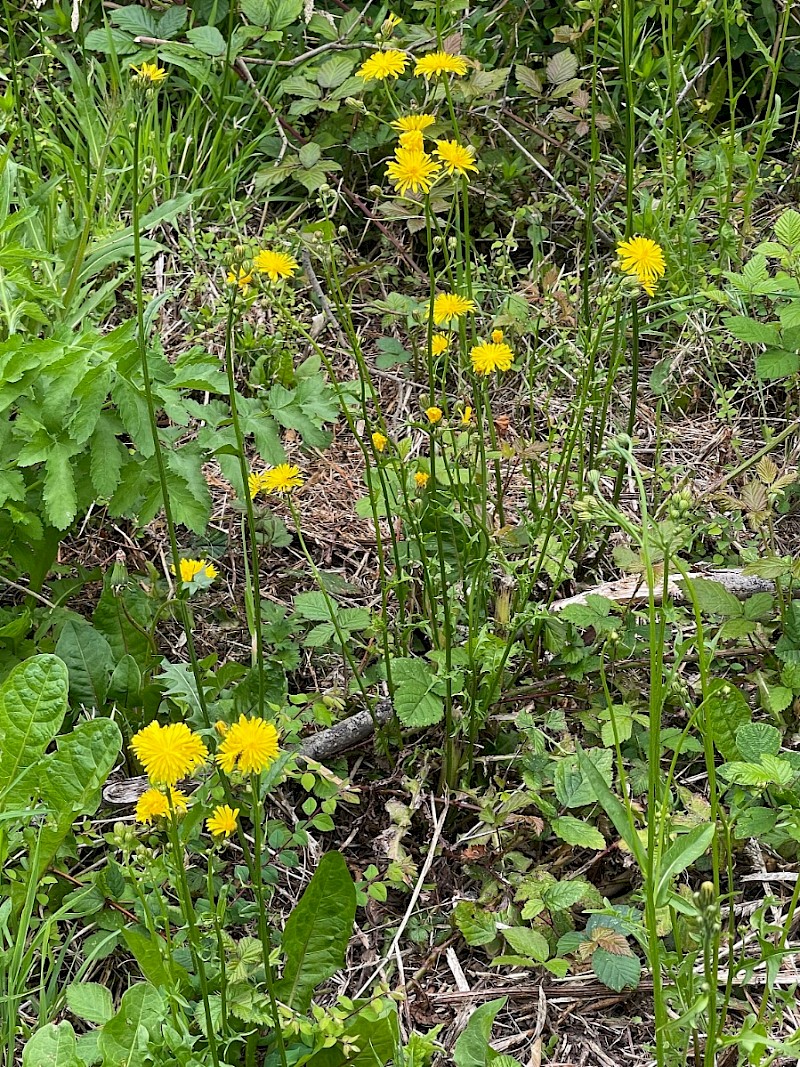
[613, 808]
[618, 972]
[564, 895]
[787, 229]
[70, 780]
[309, 155]
[714, 599]
[90, 1001]
[527, 942]
[577, 832]
[417, 698]
[475, 923]
[751, 331]
[770, 771]
[754, 822]
[573, 788]
[106, 456]
[124, 1039]
[776, 364]
[333, 72]
[472, 1049]
[681, 854]
[317, 932]
[208, 40]
[725, 711]
[562, 67]
[59, 494]
[33, 701]
[148, 955]
[89, 661]
[52, 1046]
[753, 739]
[256, 11]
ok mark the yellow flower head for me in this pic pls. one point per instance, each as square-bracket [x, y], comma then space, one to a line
[281, 479]
[649, 286]
[379, 440]
[222, 821]
[149, 73]
[243, 278]
[191, 568]
[275, 265]
[466, 416]
[436, 63]
[434, 415]
[413, 122]
[168, 753]
[642, 258]
[221, 727]
[413, 140]
[497, 336]
[448, 306]
[491, 356]
[439, 343]
[383, 65]
[254, 483]
[250, 744]
[389, 24]
[412, 171]
[456, 157]
[153, 804]
[421, 478]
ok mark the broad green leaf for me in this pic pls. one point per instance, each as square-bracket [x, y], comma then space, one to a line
[725, 711]
[59, 493]
[714, 599]
[577, 832]
[618, 972]
[147, 954]
[317, 932]
[417, 698]
[613, 808]
[52, 1046]
[573, 788]
[751, 331]
[776, 364]
[256, 11]
[681, 854]
[208, 40]
[333, 72]
[753, 739]
[562, 67]
[754, 822]
[475, 923]
[787, 229]
[566, 894]
[89, 661]
[70, 780]
[527, 942]
[33, 701]
[472, 1049]
[124, 1038]
[90, 1001]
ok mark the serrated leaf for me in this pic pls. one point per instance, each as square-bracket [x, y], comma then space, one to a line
[754, 739]
[528, 79]
[714, 599]
[751, 331]
[562, 67]
[208, 40]
[787, 229]
[572, 786]
[527, 942]
[334, 72]
[256, 11]
[53, 1045]
[135, 20]
[477, 926]
[417, 699]
[565, 895]
[616, 971]
[59, 494]
[310, 154]
[725, 711]
[776, 364]
[577, 832]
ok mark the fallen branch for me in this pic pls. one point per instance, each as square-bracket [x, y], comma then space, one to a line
[634, 590]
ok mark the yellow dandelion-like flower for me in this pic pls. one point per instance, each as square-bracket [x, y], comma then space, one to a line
[383, 65]
[412, 171]
[168, 753]
[436, 63]
[250, 744]
[191, 568]
[379, 440]
[414, 122]
[153, 804]
[491, 356]
[275, 265]
[497, 336]
[466, 416]
[456, 157]
[222, 821]
[434, 415]
[448, 306]
[221, 727]
[648, 286]
[421, 478]
[254, 483]
[243, 278]
[642, 258]
[439, 343]
[150, 73]
[281, 479]
[412, 140]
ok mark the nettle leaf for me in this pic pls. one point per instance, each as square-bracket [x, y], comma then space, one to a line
[477, 925]
[725, 711]
[418, 693]
[562, 67]
[616, 970]
[577, 832]
[33, 702]
[714, 599]
[317, 932]
[754, 739]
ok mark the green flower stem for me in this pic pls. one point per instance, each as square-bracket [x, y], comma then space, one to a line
[244, 470]
[257, 815]
[218, 927]
[194, 936]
